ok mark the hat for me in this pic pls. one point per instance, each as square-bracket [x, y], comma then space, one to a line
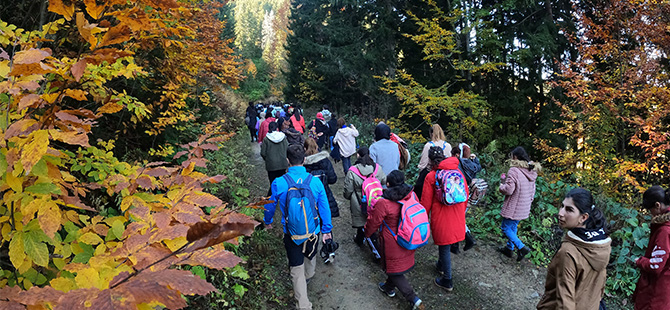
[465, 150]
[319, 116]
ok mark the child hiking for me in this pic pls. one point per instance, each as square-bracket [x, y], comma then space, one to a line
[653, 288]
[354, 192]
[397, 261]
[318, 164]
[518, 186]
[273, 151]
[576, 275]
[346, 139]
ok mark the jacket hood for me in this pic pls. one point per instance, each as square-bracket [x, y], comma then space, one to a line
[382, 131]
[523, 165]
[312, 159]
[276, 136]
[449, 163]
[597, 253]
[397, 193]
[346, 131]
[366, 170]
[663, 219]
[292, 132]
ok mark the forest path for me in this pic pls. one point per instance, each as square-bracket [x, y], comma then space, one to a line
[483, 279]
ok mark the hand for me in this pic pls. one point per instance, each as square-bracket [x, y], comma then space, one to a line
[503, 176]
[268, 226]
[472, 156]
[634, 262]
[326, 237]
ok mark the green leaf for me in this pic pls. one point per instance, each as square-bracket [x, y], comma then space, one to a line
[35, 248]
[44, 188]
[239, 272]
[16, 249]
[239, 290]
[118, 228]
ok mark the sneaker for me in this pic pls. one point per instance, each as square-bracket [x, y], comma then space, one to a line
[446, 284]
[522, 253]
[417, 304]
[358, 241]
[505, 251]
[390, 293]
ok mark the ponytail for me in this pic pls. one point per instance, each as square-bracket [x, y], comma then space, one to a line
[655, 194]
[520, 153]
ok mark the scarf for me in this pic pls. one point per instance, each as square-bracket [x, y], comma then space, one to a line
[589, 235]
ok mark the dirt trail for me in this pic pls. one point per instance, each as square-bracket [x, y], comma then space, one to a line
[482, 278]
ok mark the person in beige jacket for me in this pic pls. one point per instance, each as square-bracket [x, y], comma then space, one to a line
[353, 189]
[576, 275]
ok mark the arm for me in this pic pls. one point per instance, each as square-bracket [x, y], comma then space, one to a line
[375, 218]
[271, 207]
[566, 277]
[337, 137]
[330, 172]
[381, 176]
[508, 186]
[428, 191]
[355, 131]
[324, 206]
[424, 161]
[659, 255]
[264, 149]
[373, 153]
[349, 184]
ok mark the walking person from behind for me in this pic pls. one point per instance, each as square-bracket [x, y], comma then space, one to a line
[436, 139]
[444, 196]
[397, 261]
[653, 288]
[346, 139]
[353, 190]
[518, 186]
[384, 151]
[251, 118]
[318, 164]
[304, 207]
[576, 275]
[273, 151]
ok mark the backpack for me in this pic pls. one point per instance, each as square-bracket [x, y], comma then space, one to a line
[301, 216]
[312, 131]
[371, 189]
[450, 186]
[444, 145]
[414, 226]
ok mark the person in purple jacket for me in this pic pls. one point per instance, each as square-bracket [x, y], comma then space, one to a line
[518, 186]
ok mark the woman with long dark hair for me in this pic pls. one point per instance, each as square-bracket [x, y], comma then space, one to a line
[353, 189]
[576, 275]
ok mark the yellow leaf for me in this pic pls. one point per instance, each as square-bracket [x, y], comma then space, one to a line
[35, 149]
[90, 238]
[49, 217]
[85, 29]
[76, 94]
[94, 9]
[63, 284]
[15, 183]
[50, 98]
[88, 278]
[16, 252]
[57, 6]
[175, 244]
[109, 108]
[4, 68]
[30, 209]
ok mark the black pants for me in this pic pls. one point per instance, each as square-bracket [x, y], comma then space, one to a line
[400, 282]
[296, 253]
[418, 186]
[272, 175]
[252, 132]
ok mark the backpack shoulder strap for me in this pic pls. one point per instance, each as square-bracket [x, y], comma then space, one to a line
[431, 143]
[289, 180]
[356, 171]
[374, 173]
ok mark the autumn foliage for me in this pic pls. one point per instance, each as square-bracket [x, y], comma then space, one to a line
[82, 228]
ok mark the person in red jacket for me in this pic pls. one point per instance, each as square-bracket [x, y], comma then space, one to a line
[263, 128]
[396, 260]
[447, 222]
[653, 287]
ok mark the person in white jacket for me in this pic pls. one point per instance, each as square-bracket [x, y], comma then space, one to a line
[346, 139]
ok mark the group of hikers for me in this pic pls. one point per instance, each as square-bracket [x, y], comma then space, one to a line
[394, 218]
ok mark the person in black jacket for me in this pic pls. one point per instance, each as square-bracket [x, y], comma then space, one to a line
[318, 164]
[322, 130]
[251, 124]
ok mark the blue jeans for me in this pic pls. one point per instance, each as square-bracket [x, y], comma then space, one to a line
[444, 260]
[346, 164]
[510, 229]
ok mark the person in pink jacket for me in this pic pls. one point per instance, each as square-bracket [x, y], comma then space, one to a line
[447, 222]
[518, 186]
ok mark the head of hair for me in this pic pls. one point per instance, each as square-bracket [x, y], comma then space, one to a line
[341, 122]
[655, 194]
[435, 155]
[395, 178]
[285, 123]
[397, 188]
[364, 157]
[273, 126]
[520, 153]
[295, 155]
[325, 107]
[251, 103]
[436, 133]
[311, 147]
[465, 150]
[585, 203]
[382, 131]
[297, 113]
[268, 112]
[456, 152]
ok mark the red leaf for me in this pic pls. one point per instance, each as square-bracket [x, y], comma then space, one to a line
[76, 299]
[210, 146]
[181, 280]
[145, 182]
[30, 56]
[11, 305]
[157, 172]
[162, 219]
[212, 258]
[115, 35]
[78, 69]
[39, 295]
[171, 232]
[180, 154]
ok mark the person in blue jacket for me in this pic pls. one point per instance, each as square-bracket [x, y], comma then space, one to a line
[301, 269]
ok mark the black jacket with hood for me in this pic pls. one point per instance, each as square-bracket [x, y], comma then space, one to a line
[319, 165]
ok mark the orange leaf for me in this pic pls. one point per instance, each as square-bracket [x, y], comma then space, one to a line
[30, 69]
[69, 137]
[85, 30]
[30, 56]
[49, 217]
[62, 7]
[76, 94]
[110, 108]
[28, 101]
[94, 9]
[212, 258]
[115, 35]
[78, 69]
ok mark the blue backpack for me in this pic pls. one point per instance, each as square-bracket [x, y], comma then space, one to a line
[301, 215]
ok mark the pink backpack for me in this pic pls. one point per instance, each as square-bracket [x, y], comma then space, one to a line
[414, 226]
[371, 189]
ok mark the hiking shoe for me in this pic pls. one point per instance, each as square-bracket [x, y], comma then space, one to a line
[454, 248]
[358, 241]
[521, 253]
[505, 251]
[446, 284]
[417, 304]
[390, 293]
[469, 241]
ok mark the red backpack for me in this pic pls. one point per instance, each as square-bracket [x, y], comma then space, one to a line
[414, 226]
[371, 189]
